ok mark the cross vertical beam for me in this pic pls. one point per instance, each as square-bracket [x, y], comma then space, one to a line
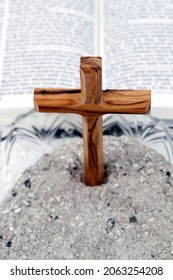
[93, 150]
[91, 92]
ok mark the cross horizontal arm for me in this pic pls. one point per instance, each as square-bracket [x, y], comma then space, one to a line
[113, 101]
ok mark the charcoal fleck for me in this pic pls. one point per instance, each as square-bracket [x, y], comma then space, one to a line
[133, 219]
[9, 244]
[27, 183]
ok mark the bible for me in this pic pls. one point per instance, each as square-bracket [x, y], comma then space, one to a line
[37, 38]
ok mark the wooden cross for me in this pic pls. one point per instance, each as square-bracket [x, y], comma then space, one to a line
[92, 102]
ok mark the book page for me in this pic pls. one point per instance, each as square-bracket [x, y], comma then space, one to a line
[42, 44]
[2, 4]
[138, 47]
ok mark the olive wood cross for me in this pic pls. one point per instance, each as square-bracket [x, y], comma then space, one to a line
[92, 102]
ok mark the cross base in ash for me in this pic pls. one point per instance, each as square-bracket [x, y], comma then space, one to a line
[92, 102]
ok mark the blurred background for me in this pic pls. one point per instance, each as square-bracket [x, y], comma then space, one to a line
[41, 43]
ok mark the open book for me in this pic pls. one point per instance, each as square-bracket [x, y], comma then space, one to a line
[41, 42]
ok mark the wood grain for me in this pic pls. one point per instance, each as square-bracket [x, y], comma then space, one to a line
[93, 150]
[91, 80]
[91, 91]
